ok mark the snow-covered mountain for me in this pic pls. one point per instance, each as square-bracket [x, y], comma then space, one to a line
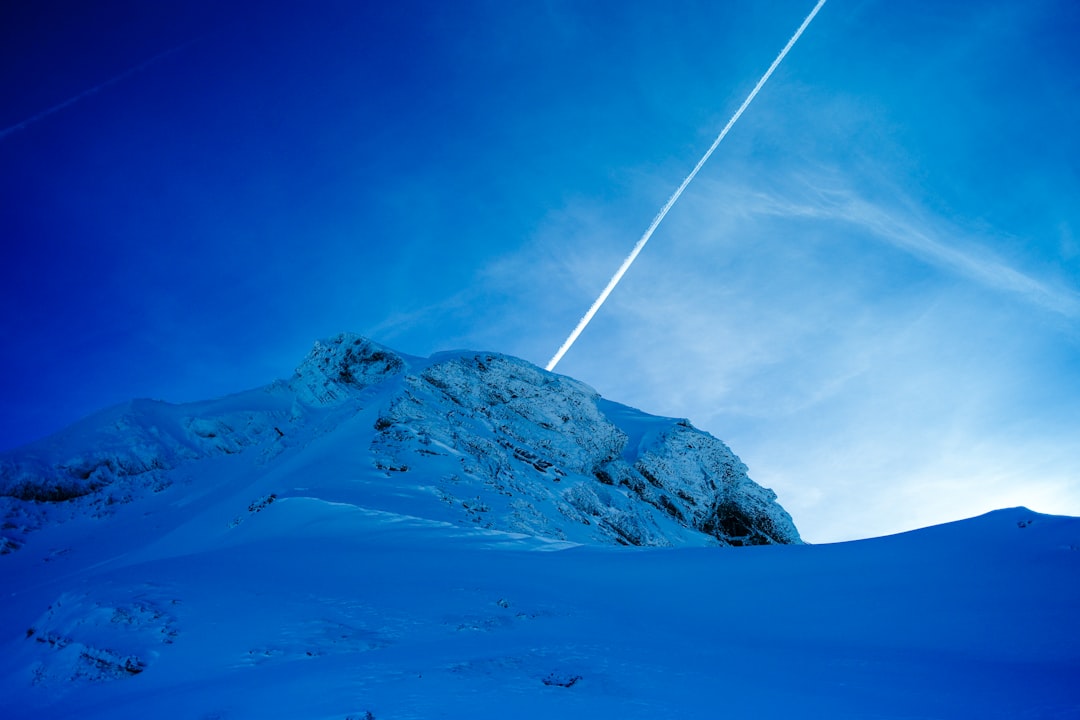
[384, 536]
[468, 437]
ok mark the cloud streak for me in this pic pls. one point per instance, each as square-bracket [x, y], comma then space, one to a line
[640, 245]
[91, 91]
[931, 243]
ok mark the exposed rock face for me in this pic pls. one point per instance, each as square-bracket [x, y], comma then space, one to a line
[717, 496]
[544, 439]
[336, 369]
[479, 438]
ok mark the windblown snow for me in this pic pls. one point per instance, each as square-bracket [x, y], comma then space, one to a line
[470, 536]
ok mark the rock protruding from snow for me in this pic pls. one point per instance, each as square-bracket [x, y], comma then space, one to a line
[118, 443]
[538, 454]
[697, 479]
[336, 369]
[548, 420]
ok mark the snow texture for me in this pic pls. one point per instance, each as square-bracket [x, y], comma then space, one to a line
[382, 536]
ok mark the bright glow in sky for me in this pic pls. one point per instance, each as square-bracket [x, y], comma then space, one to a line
[871, 291]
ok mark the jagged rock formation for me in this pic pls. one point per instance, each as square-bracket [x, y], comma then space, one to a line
[477, 438]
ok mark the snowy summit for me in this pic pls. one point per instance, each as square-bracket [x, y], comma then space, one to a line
[476, 438]
[362, 540]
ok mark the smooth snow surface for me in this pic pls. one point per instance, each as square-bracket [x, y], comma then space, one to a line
[317, 609]
[247, 558]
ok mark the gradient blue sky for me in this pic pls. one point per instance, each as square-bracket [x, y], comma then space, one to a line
[871, 292]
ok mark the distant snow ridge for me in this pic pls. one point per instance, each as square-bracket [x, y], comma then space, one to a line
[480, 439]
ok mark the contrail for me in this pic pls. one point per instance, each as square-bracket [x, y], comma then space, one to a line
[588, 316]
[86, 93]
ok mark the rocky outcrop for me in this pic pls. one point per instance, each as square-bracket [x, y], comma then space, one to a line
[338, 368]
[545, 440]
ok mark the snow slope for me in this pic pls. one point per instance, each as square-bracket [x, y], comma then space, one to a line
[268, 555]
[317, 609]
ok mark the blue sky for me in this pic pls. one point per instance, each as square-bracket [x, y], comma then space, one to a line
[871, 292]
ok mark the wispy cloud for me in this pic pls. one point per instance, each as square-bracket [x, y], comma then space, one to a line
[95, 89]
[933, 240]
[874, 392]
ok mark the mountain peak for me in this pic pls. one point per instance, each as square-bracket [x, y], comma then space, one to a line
[338, 367]
[473, 438]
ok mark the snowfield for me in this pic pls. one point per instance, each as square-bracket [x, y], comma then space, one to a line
[468, 536]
